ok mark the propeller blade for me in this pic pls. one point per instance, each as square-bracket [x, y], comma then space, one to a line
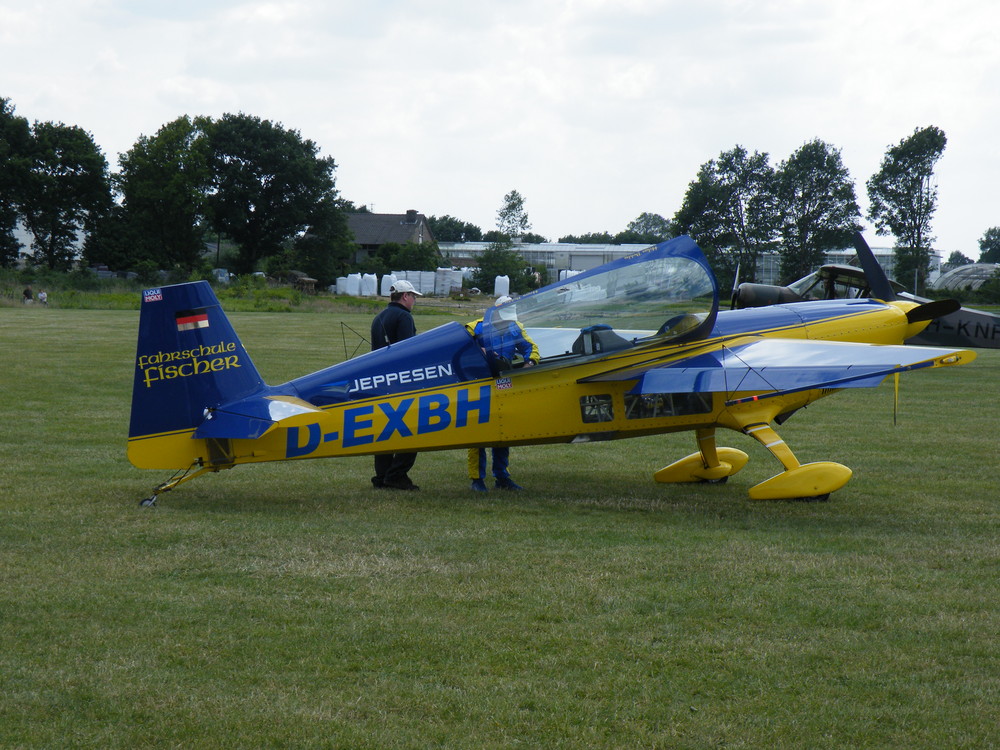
[734, 297]
[878, 282]
[932, 310]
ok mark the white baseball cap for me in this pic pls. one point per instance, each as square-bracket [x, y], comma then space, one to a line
[403, 286]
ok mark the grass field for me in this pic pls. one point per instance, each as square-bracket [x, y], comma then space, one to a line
[291, 605]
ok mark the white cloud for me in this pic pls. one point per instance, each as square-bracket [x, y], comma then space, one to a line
[594, 110]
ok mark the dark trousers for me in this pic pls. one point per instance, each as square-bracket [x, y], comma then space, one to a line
[392, 467]
[477, 463]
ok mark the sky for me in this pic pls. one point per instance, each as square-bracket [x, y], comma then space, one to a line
[595, 111]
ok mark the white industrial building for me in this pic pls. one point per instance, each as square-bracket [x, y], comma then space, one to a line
[567, 256]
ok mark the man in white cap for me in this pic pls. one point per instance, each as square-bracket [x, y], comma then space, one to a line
[395, 323]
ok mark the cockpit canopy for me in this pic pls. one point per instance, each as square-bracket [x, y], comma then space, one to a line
[836, 281]
[666, 292]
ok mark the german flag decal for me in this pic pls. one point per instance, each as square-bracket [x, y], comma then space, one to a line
[188, 320]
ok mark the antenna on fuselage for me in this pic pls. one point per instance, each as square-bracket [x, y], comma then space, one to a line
[361, 340]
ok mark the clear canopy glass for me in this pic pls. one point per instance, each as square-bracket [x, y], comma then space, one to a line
[664, 292]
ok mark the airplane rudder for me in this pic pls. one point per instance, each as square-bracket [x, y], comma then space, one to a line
[188, 358]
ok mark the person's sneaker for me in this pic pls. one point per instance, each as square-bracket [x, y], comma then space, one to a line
[479, 485]
[377, 483]
[506, 483]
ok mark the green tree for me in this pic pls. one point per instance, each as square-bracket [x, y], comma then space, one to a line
[450, 229]
[957, 259]
[512, 217]
[501, 259]
[116, 241]
[407, 256]
[591, 238]
[989, 246]
[163, 183]
[15, 155]
[324, 251]
[533, 238]
[819, 210]
[646, 228]
[903, 198]
[731, 210]
[416, 256]
[989, 292]
[67, 189]
[268, 184]
[496, 235]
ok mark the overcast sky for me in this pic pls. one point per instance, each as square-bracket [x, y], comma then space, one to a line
[594, 110]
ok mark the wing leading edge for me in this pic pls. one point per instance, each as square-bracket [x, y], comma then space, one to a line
[777, 366]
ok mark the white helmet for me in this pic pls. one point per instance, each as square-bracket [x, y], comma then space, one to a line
[502, 300]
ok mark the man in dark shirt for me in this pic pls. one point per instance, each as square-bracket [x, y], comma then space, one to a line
[393, 324]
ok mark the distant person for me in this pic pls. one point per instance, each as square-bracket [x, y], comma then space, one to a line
[393, 324]
[43, 297]
[508, 340]
[26, 295]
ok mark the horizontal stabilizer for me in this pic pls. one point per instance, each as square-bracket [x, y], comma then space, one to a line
[253, 417]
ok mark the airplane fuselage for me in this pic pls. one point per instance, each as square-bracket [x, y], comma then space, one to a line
[548, 403]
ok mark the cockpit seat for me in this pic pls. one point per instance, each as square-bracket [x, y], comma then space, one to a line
[598, 339]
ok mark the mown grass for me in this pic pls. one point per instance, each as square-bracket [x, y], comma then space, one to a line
[290, 605]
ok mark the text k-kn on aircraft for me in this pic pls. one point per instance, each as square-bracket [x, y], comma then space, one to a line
[635, 347]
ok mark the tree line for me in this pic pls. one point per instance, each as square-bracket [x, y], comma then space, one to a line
[260, 190]
[264, 198]
[739, 207]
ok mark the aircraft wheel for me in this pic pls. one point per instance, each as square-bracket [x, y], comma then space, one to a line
[814, 498]
[720, 480]
[148, 502]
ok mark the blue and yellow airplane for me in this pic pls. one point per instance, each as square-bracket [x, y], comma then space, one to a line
[635, 347]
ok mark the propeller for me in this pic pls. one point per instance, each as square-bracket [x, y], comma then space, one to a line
[932, 310]
[881, 289]
[736, 288]
[878, 282]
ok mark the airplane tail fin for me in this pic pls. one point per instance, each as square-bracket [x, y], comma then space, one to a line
[188, 359]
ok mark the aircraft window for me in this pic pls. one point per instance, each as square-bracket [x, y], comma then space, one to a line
[816, 286]
[596, 409]
[653, 405]
[803, 286]
[830, 284]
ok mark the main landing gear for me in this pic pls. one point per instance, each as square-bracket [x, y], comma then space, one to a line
[812, 481]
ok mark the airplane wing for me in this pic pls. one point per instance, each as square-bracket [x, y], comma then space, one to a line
[775, 366]
[253, 417]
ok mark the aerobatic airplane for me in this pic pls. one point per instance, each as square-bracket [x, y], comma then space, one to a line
[635, 347]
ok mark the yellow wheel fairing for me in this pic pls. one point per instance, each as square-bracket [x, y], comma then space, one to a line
[809, 480]
[692, 468]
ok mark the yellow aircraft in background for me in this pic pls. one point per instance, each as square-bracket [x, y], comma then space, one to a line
[635, 347]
